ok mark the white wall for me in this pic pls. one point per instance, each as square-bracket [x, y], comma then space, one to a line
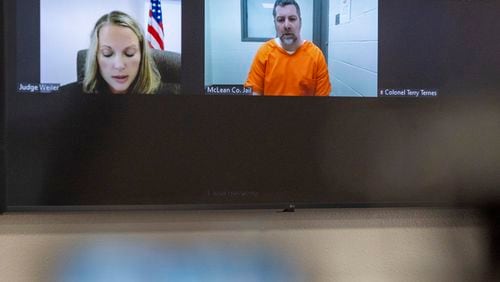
[322, 245]
[227, 58]
[66, 25]
[352, 51]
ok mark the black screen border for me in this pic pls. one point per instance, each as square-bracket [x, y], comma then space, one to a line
[3, 90]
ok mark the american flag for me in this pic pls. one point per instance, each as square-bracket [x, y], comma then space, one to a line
[155, 26]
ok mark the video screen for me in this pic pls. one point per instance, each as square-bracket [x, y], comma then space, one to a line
[99, 46]
[336, 48]
[410, 105]
[333, 50]
[342, 48]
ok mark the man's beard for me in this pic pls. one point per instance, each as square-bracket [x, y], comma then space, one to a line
[288, 38]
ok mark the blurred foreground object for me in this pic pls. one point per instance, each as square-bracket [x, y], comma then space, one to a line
[128, 261]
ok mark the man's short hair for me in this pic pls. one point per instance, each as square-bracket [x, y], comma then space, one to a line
[283, 3]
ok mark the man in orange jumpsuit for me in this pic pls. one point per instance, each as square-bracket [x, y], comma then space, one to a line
[288, 65]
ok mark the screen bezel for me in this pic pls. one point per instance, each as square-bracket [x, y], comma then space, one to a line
[2, 111]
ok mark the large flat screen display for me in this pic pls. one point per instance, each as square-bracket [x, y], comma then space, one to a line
[212, 103]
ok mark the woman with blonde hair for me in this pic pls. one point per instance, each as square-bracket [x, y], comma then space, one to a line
[118, 59]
